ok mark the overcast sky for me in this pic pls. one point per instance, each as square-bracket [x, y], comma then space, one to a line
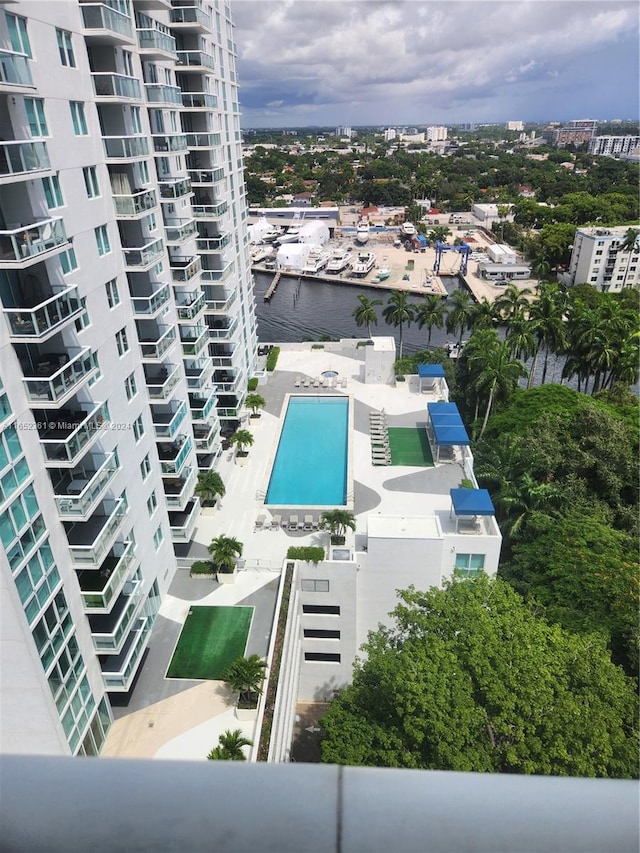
[352, 62]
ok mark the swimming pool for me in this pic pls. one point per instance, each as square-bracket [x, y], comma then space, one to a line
[310, 466]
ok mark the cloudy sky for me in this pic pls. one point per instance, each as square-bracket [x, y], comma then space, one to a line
[330, 62]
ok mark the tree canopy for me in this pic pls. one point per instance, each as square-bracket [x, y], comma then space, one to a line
[470, 679]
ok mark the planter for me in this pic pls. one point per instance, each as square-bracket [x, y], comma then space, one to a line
[242, 459]
[338, 540]
[208, 510]
[228, 577]
[246, 714]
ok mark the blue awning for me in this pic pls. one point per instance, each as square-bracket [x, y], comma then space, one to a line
[429, 371]
[442, 409]
[471, 502]
[450, 435]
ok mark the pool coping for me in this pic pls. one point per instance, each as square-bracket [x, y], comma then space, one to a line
[349, 502]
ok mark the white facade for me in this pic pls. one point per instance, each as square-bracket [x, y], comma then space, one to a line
[390, 134]
[485, 212]
[436, 133]
[613, 146]
[500, 253]
[514, 125]
[598, 259]
[126, 341]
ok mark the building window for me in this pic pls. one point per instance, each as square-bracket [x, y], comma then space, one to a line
[52, 192]
[18, 35]
[102, 240]
[127, 61]
[599, 252]
[469, 565]
[130, 386]
[138, 428]
[122, 342]
[152, 503]
[158, 536]
[65, 48]
[322, 657]
[145, 467]
[144, 172]
[35, 116]
[320, 634]
[321, 609]
[152, 222]
[68, 261]
[113, 296]
[78, 118]
[83, 320]
[91, 181]
[136, 121]
[314, 586]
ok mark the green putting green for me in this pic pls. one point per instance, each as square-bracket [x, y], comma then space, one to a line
[410, 446]
[211, 639]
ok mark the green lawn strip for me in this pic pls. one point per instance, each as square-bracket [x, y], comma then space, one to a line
[211, 639]
[410, 446]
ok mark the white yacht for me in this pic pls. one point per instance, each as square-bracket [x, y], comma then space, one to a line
[292, 233]
[271, 235]
[260, 253]
[364, 264]
[362, 232]
[316, 261]
[407, 229]
[339, 261]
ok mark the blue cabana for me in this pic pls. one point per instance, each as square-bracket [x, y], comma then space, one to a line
[471, 502]
[450, 435]
[446, 425]
[428, 374]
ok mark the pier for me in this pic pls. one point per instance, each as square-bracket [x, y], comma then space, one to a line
[272, 287]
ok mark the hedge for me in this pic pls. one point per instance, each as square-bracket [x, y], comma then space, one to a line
[203, 567]
[272, 358]
[252, 384]
[309, 553]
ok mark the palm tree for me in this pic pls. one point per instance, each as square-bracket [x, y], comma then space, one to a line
[337, 521]
[521, 337]
[242, 438]
[503, 212]
[230, 746]
[439, 234]
[540, 267]
[399, 311]
[245, 677]
[460, 311]
[224, 550]
[630, 244]
[511, 301]
[430, 313]
[365, 314]
[483, 314]
[547, 315]
[254, 402]
[209, 487]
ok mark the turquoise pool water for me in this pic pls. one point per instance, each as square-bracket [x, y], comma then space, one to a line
[310, 468]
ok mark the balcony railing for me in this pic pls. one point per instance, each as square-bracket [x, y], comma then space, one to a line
[199, 101]
[179, 230]
[27, 243]
[15, 70]
[23, 158]
[221, 275]
[125, 147]
[195, 58]
[190, 305]
[179, 492]
[207, 435]
[218, 305]
[109, 85]
[166, 425]
[111, 641]
[149, 306]
[175, 143]
[99, 16]
[143, 256]
[178, 188]
[173, 458]
[184, 268]
[201, 407]
[199, 373]
[47, 318]
[64, 443]
[127, 661]
[194, 343]
[160, 93]
[192, 16]
[152, 40]
[160, 386]
[214, 244]
[50, 388]
[99, 588]
[135, 204]
[209, 211]
[225, 330]
[206, 176]
[154, 349]
[78, 494]
[90, 540]
[183, 523]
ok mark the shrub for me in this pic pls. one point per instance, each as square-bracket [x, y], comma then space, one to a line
[203, 567]
[317, 346]
[308, 553]
[272, 358]
[252, 384]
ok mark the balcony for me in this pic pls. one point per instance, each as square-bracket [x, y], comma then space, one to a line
[190, 305]
[209, 211]
[15, 72]
[90, 540]
[78, 492]
[118, 671]
[206, 177]
[206, 461]
[199, 101]
[175, 143]
[109, 630]
[223, 330]
[173, 456]
[183, 523]
[115, 87]
[174, 189]
[121, 148]
[66, 439]
[142, 257]
[40, 322]
[22, 157]
[225, 382]
[214, 244]
[155, 43]
[59, 375]
[194, 340]
[166, 423]
[195, 60]
[179, 492]
[199, 373]
[160, 385]
[25, 245]
[207, 436]
[99, 588]
[153, 348]
[102, 23]
[184, 268]
[179, 230]
[219, 276]
[135, 204]
[213, 293]
[150, 306]
[190, 19]
[160, 93]
[202, 405]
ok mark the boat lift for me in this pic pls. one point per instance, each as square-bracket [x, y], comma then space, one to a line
[464, 249]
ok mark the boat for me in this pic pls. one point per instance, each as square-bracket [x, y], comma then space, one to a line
[292, 233]
[362, 232]
[364, 264]
[339, 261]
[316, 261]
[260, 253]
[271, 235]
[383, 274]
[408, 229]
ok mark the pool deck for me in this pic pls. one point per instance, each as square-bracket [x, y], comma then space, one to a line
[173, 719]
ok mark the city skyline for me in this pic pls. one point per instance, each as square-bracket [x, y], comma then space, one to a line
[304, 62]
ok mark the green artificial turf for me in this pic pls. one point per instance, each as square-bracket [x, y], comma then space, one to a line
[410, 446]
[211, 639]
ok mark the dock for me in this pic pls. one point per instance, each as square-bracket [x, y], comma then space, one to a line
[272, 287]
[417, 281]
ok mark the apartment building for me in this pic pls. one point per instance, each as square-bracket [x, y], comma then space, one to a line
[436, 133]
[126, 339]
[576, 132]
[600, 258]
[613, 146]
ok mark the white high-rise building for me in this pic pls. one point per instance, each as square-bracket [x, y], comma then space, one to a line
[390, 134]
[514, 125]
[613, 146]
[600, 258]
[126, 340]
[436, 134]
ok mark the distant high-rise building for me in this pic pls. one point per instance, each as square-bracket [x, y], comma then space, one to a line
[514, 125]
[613, 146]
[575, 132]
[390, 134]
[343, 131]
[436, 134]
[598, 259]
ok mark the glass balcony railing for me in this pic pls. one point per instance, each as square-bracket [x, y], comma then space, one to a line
[167, 424]
[206, 176]
[160, 385]
[183, 522]
[224, 331]
[185, 268]
[179, 230]
[196, 59]
[89, 541]
[214, 244]
[159, 93]
[179, 492]
[100, 16]
[143, 257]
[192, 16]
[207, 436]
[173, 457]
[79, 492]
[214, 303]
[50, 387]
[99, 588]
[209, 211]
[111, 641]
[154, 349]
[190, 305]
[108, 85]
[226, 383]
[121, 678]
[27, 243]
[125, 147]
[228, 413]
[14, 69]
[221, 275]
[154, 40]
[202, 406]
[135, 204]
[199, 373]
[178, 188]
[23, 158]
[175, 143]
[193, 343]
[65, 440]
[149, 306]
[199, 101]
[46, 318]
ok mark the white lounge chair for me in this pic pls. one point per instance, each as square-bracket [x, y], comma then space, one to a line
[316, 382]
[308, 522]
[306, 383]
[343, 382]
[260, 520]
[298, 382]
[276, 521]
[293, 522]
